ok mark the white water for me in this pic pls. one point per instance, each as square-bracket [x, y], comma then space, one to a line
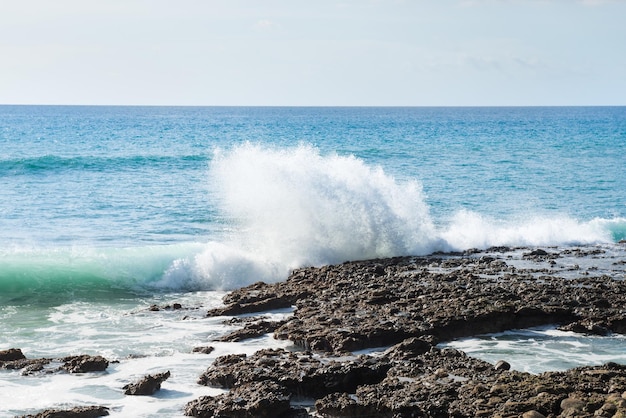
[143, 342]
[544, 349]
[294, 207]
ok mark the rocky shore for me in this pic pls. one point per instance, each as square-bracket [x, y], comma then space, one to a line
[366, 339]
[410, 305]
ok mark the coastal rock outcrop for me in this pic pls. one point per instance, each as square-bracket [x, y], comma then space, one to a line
[404, 382]
[410, 304]
[302, 374]
[359, 305]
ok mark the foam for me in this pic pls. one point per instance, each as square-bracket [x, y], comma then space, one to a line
[137, 342]
[294, 207]
[283, 208]
[472, 230]
[543, 349]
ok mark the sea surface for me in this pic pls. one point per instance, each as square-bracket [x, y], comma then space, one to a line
[105, 211]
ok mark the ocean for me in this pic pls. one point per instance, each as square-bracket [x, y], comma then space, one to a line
[105, 211]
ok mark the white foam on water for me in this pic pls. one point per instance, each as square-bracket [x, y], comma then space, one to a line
[293, 207]
[544, 349]
[144, 342]
[472, 230]
[285, 208]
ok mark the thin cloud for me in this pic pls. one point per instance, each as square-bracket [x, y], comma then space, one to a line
[264, 24]
[594, 3]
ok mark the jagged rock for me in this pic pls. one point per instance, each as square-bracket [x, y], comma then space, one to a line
[11, 354]
[587, 326]
[147, 386]
[254, 399]
[203, 350]
[411, 304]
[354, 306]
[301, 374]
[157, 308]
[252, 330]
[71, 364]
[77, 412]
[26, 365]
[85, 364]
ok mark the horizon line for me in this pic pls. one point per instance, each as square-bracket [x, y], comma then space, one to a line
[310, 106]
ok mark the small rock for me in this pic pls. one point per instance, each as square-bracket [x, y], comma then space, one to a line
[11, 354]
[203, 350]
[85, 364]
[147, 386]
[572, 403]
[502, 365]
[533, 414]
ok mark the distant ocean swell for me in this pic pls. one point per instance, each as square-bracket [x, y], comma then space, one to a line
[47, 164]
[286, 207]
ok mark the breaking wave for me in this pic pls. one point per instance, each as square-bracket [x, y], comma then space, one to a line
[285, 208]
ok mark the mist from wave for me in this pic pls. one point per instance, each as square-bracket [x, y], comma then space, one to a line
[294, 207]
[285, 208]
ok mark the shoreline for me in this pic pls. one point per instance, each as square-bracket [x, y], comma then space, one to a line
[409, 305]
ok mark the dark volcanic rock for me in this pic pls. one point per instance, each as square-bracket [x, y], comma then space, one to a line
[301, 373]
[446, 383]
[71, 364]
[252, 330]
[353, 306]
[11, 354]
[85, 364]
[412, 303]
[172, 307]
[256, 399]
[147, 386]
[78, 412]
[406, 381]
[259, 297]
[587, 326]
[203, 350]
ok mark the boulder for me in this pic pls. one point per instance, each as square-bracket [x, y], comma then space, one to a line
[85, 364]
[11, 354]
[146, 386]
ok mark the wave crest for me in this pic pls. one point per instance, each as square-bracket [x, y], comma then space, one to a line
[288, 208]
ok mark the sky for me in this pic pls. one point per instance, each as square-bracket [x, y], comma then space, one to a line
[313, 53]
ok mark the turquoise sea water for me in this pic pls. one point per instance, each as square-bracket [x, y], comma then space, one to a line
[105, 210]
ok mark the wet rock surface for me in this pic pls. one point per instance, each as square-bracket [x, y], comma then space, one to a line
[411, 304]
[253, 328]
[71, 364]
[78, 412]
[257, 399]
[146, 386]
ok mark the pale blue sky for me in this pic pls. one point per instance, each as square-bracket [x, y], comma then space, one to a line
[322, 52]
